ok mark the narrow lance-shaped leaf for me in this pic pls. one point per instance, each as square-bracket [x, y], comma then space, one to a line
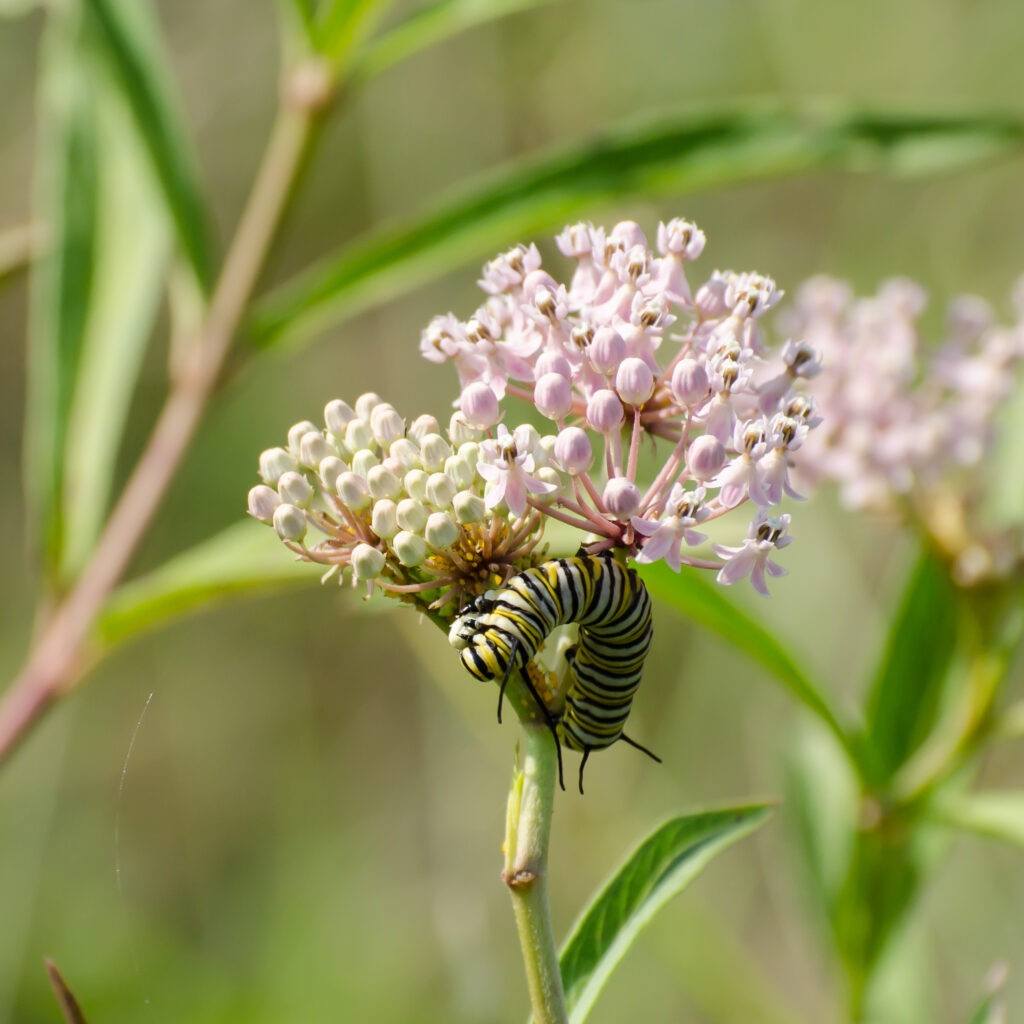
[660, 868]
[705, 603]
[66, 196]
[994, 814]
[69, 1008]
[431, 24]
[130, 262]
[131, 46]
[905, 697]
[680, 156]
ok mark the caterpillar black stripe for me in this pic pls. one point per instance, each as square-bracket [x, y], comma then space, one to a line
[503, 630]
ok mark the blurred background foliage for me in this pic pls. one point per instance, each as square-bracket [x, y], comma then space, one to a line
[278, 845]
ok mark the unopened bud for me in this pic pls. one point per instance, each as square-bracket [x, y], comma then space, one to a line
[290, 522]
[386, 424]
[358, 435]
[552, 361]
[353, 491]
[421, 426]
[337, 416]
[295, 489]
[313, 449]
[622, 498]
[607, 350]
[461, 471]
[479, 405]
[366, 403]
[434, 449]
[604, 411]
[415, 484]
[441, 489]
[363, 461]
[412, 516]
[410, 547]
[275, 462]
[383, 483]
[367, 562]
[405, 453]
[330, 469]
[297, 433]
[705, 457]
[459, 431]
[689, 382]
[441, 531]
[553, 396]
[634, 381]
[263, 500]
[547, 475]
[573, 450]
[384, 518]
[469, 507]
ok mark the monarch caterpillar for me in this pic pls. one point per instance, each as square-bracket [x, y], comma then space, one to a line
[503, 629]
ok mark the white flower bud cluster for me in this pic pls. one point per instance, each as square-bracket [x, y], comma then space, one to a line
[409, 506]
[624, 353]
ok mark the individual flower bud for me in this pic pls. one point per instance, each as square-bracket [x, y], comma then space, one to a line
[705, 457]
[295, 489]
[441, 531]
[353, 491]
[710, 298]
[434, 449]
[607, 350]
[604, 411]
[383, 483]
[386, 424]
[263, 500]
[573, 450]
[337, 416]
[384, 518]
[313, 449]
[290, 522]
[366, 403]
[412, 515]
[634, 381]
[460, 470]
[363, 461]
[415, 484]
[689, 382]
[526, 437]
[469, 507]
[358, 435]
[553, 396]
[405, 454]
[441, 489]
[545, 450]
[551, 361]
[330, 469]
[393, 465]
[628, 233]
[459, 431]
[421, 426]
[274, 462]
[547, 475]
[410, 547]
[622, 498]
[298, 432]
[479, 405]
[367, 562]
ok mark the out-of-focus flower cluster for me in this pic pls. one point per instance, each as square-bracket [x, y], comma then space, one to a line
[623, 360]
[905, 423]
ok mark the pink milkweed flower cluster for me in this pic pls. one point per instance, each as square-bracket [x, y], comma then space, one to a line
[625, 359]
[908, 424]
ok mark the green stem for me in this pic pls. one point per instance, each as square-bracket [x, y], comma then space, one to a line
[531, 803]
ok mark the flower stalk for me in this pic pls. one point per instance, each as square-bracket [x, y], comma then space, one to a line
[527, 834]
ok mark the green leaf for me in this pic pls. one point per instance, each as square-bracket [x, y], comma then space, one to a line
[131, 256]
[660, 868]
[130, 43]
[992, 1008]
[905, 698]
[995, 814]
[430, 24]
[673, 157]
[245, 558]
[66, 196]
[705, 603]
